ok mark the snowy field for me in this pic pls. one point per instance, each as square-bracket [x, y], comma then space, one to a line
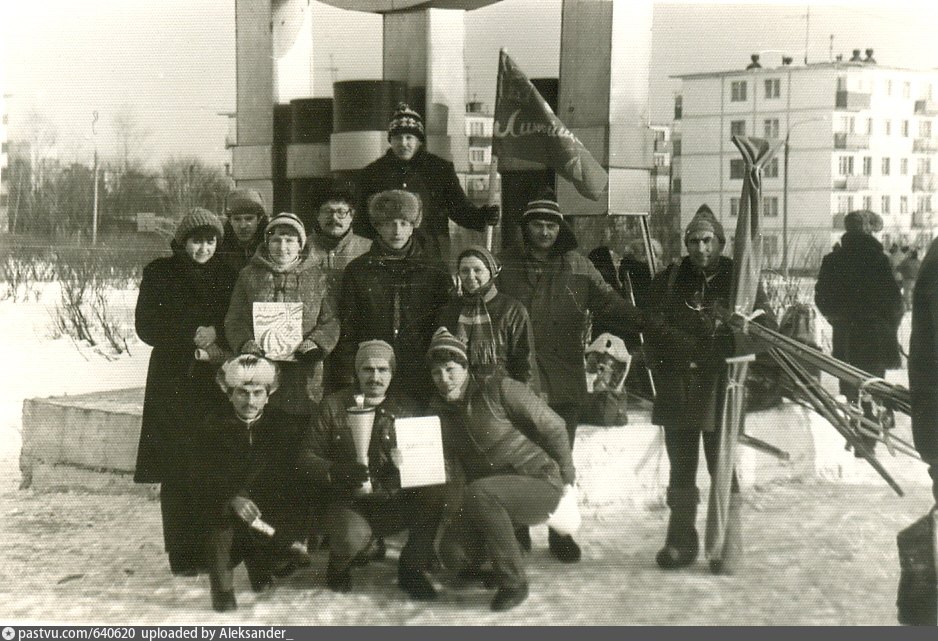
[819, 553]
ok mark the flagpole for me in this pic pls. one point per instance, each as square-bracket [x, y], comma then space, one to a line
[493, 165]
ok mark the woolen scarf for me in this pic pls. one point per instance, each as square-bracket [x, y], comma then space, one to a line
[475, 328]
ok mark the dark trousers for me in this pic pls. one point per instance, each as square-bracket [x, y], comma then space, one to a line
[683, 447]
[350, 522]
[183, 529]
[570, 413]
[492, 508]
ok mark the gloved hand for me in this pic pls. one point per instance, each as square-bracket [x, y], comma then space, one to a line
[309, 352]
[347, 475]
[204, 336]
[251, 346]
[244, 509]
[491, 214]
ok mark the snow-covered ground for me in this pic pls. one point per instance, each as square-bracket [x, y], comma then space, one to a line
[819, 553]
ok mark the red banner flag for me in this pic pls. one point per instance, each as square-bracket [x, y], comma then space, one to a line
[527, 128]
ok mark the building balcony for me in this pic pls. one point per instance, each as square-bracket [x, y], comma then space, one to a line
[852, 100]
[924, 146]
[922, 219]
[926, 108]
[480, 141]
[852, 183]
[925, 182]
[851, 141]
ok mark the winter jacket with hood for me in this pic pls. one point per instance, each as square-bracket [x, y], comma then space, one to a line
[487, 433]
[235, 254]
[434, 180]
[923, 358]
[858, 295]
[176, 297]
[394, 296]
[304, 282]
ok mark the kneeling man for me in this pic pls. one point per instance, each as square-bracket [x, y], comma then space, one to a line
[246, 481]
[353, 516]
[510, 480]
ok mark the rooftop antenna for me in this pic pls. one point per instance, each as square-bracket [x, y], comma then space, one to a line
[807, 32]
[830, 50]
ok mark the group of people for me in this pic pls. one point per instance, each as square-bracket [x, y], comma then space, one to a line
[254, 452]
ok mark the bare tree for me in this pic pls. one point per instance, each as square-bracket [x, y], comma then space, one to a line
[130, 138]
[188, 183]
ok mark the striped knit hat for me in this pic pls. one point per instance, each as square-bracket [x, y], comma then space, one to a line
[444, 342]
[198, 218]
[287, 220]
[406, 121]
[544, 208]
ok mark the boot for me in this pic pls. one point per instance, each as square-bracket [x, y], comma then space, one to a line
[507, 598]
[681, 543]
[339, 575]
[223, 596]
[416, 583]
[732, 557]
[563, 547]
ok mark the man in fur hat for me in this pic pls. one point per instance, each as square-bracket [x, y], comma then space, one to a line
[408, 165]
[858, 295]
[689, 397]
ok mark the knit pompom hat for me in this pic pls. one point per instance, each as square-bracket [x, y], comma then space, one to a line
[395, 204]
[198, 218]
[480, 252]
[544, 208]
[443, 342]
[406, 121]
[245, 201]
[704, 220]
[375, 349]
[287, 220]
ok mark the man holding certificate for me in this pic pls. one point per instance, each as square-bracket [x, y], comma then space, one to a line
[352, 449]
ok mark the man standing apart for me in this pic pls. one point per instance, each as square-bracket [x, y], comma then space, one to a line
[408, 166]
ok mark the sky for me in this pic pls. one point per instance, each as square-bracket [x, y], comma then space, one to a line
[170, 64]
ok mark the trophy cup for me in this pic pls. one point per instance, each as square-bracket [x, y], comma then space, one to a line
[361, 420]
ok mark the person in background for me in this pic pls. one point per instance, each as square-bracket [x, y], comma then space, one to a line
[495, 328]
[510, 479]
[394, 293]
[353, 519]
[858, 295]
[409, 166]
[690, 383]
[280, 273]
[923, 364]
[244, 228]
[180, 309]
[908, 272]
[246, 480]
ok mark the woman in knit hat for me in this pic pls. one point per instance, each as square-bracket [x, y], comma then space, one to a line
[495, 327]
[394, 293]
[180, 309]
[279, 273]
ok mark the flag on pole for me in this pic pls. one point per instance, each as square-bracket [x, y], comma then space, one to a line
[526, 127]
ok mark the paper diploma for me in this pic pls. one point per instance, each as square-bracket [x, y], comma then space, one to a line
[278, 328]
[420, 442]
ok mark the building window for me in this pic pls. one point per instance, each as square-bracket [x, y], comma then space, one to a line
[771, 127]
[904, 166]
[476, 129]
[770, 206]
[905, 128]
[923, 166]
[678, 107]
[738, 91]
[737, 169]
[903, 204]
[773, 88]
[676, 147]
[884, 205]
[844, 204]
[734, 207]
[869, 126]
[841, 83]
[906, 89]
[737, 127]
[885, 166]
[676, 185]
[923, 204]
[924, 129]
[867, 166]
[476, 155]
[845, 164]
[771, 169]
[867, 202]
[887, 127]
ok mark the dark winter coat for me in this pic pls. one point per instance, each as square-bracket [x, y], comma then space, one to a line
[923, 357]
[304, 282]
[176, 297]
[256, 462]
[858, 295]
[559, 295]
[235, 255]
[514, 337]
[486, 433]
[395, 297]
[689, 382]
[434, 180]
[330, 439]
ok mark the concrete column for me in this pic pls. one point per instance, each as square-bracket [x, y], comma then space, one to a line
[425, 49]
[605, 49]
[251, 157]
[292, 50]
